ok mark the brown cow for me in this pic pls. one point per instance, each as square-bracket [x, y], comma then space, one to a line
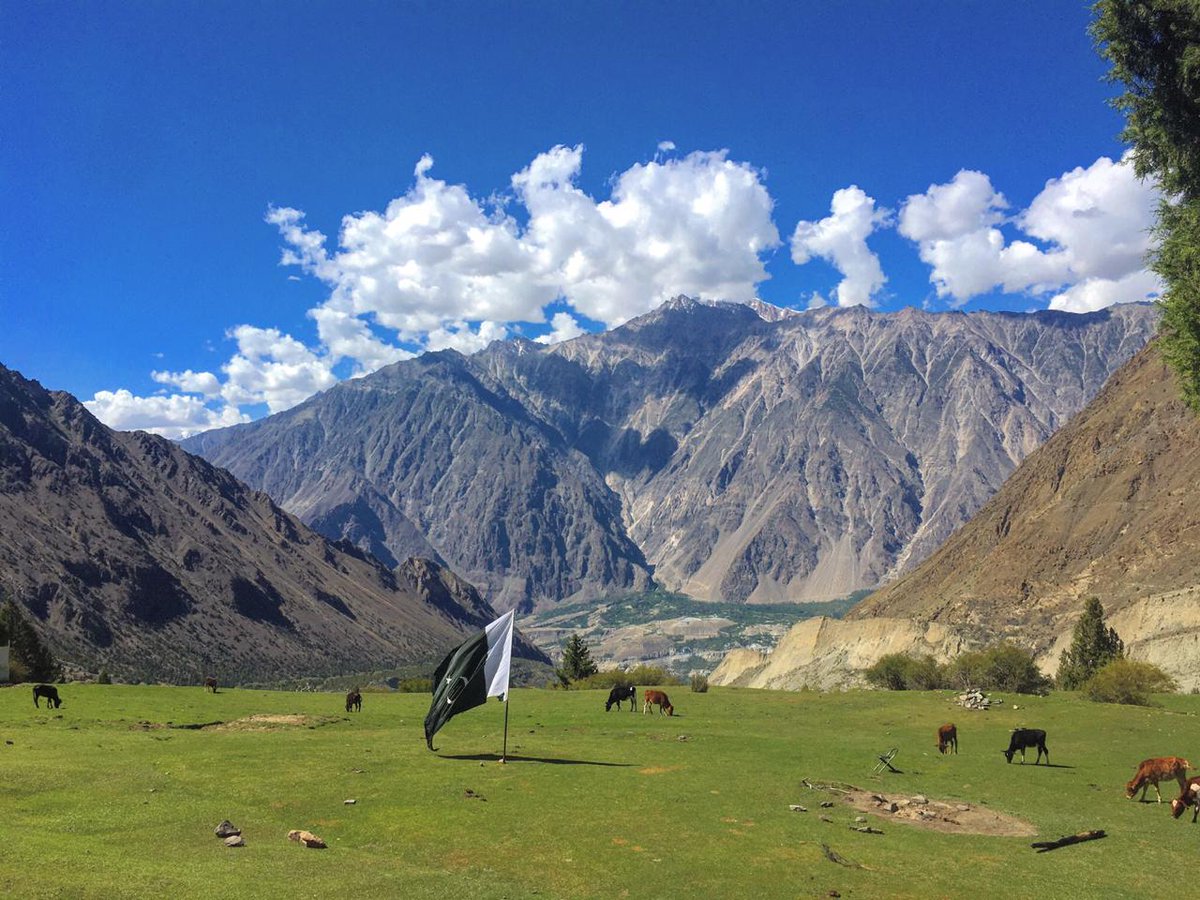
[1152, 771]
[1189, 797]
[947, 738]
[354, 701]
[210, 684]
[652, 697]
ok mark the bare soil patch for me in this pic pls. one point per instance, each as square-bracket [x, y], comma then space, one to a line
[265, 722]
[948, 816]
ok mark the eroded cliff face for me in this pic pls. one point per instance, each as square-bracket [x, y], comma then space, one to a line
[130, 554]
[725, 451]
[823, 653]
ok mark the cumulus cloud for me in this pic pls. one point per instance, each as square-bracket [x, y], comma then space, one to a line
[174, 416]
[273, 368]
[1091, 227]
[563, 327]
[841, 240]
[205, 383]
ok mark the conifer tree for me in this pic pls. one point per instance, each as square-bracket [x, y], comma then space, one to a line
[27, 654]
[1093, 646]
[577, 659]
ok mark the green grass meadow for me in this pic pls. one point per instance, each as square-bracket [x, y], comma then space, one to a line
[93, 804]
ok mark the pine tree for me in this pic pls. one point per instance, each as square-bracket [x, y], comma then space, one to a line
[27, 654]
[577, 659]
[1093, 646]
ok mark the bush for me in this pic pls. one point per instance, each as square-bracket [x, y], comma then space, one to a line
[640, 675]
[699, 684]
[1128, 681]
[104, 677]
[901, 672]
[1004, 667]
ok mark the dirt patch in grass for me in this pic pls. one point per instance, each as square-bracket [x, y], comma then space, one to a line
[258, 722]
[947, 816]
[264, 722]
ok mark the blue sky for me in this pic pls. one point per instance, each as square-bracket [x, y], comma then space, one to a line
[147, 145]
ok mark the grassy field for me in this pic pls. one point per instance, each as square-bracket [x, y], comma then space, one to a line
[96, 804]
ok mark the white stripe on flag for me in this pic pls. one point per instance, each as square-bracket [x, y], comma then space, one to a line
[499, 658]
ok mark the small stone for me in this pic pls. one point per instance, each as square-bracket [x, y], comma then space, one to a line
[962, 807]
[349, 802]
[920, 799]
[153, 790]
[878, 799]
[826, 804]
[1015, 706]
[684, 737]
[235, 840]
[10, 743]
[826, 819]
[226, 829]
[866, 829]
[833, 894]
[860, 818]
[795, 807]
[892, 807]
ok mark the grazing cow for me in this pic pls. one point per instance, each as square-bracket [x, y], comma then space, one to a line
[619, 693]
[1027, 737]
[653, 697]
[1189, 797]
[354, 701]
[1152, 771]
[210, 684]
[947, 738]
[50, 692]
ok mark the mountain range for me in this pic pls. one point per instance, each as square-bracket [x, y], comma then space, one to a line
[1108, 507]
[133, 555]
[728, 451]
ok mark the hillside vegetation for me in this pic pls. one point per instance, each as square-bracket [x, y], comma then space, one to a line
[103, 798]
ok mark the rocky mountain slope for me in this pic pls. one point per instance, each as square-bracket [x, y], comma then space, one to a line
[725, 451]
[1109, 507]
[133, 555]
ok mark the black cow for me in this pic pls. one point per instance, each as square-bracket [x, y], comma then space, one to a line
[619, 693]
[1027, 737]
[354, 701]
[50, 692]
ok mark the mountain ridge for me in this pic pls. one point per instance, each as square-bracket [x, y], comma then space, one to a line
[708, 447]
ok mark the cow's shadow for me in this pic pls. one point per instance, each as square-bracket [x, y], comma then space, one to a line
[515, 758]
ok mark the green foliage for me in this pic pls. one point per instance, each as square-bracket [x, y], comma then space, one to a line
[901, 672]
[1153, 47]
[699, 684]
[640, 675]
[577, 660]
[1093, 646]
[104, 677]
[1128, 681]
[29, 658]
[1000, 668]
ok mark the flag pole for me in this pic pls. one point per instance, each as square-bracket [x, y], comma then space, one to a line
[504, 753]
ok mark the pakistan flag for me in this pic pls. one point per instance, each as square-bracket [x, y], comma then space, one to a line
[476, 669]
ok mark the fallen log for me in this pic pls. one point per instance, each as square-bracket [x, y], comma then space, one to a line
[1046, 846]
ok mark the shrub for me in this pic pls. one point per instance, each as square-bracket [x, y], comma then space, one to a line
[700, 684]
[901, 672]
[1004, 667]
[640, 675]
[104, 677]
[1128, 681]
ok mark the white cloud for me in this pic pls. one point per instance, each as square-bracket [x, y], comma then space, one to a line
[461, 337]
[190, 382]
[273, 368]
[666, 146]
[173, 416]
[563, 327]
[841, 240]
[1092, 225]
